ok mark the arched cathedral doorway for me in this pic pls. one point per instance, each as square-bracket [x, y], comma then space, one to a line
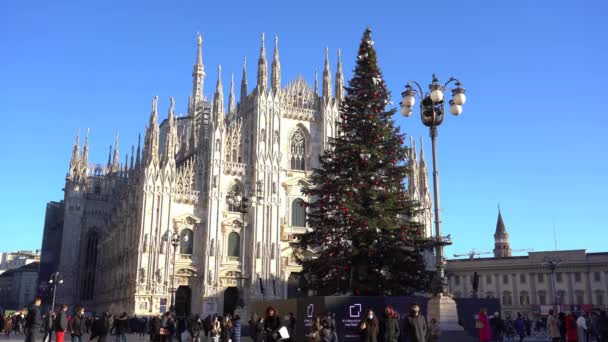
[231, 299]
[183, 298]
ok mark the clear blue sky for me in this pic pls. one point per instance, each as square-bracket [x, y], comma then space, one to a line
[532, 135]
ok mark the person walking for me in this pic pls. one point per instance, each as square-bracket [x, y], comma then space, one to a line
[60, 325]
[553, 327]
[121, 327]
[33, 322]
[314, 335]
[76, 325]
[226, 334]
[498, 327]
[415, 325]
[154, 329]
[520, 327]
[369, 327]
[581, 328]
[260, 334]
[602, 326]
[434, 331]
[101, 327]
[48, 327]
[236, 329]
[571, 328]
[272, 324]
[483, 326]
[216, 329]
[390, 326]
[195, 326]
[8, 325]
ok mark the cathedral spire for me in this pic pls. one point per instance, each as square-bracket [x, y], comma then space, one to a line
[262, 69]
[151, 139]
[84, 160]
[244, 80]
[115, 160]
[170, 137]
[75, 159]
[316, 82]
[198, 74]
[131, 165]
[231, 99]
[218, 99]
[109, 165]
[137, 156]
[339, 78]
[276, 68]
[326, 77]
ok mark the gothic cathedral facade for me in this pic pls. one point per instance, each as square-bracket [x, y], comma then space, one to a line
[205, 212]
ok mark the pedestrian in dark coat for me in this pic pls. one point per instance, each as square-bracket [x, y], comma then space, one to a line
[101, 328]
[121, 327]
[390, 325]
[48, 327]
[416, 328]
[33, 322]
[154, 329]
[76, 325]
[195, 326]
[60, 324]
[272, 324]
[369, 327]
[260, 334]
[236, 329]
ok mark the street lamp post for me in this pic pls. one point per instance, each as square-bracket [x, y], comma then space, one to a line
[432, 110]
[552, 263]
[55, 280]
[175, 240]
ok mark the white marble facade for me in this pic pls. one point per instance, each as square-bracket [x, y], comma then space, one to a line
[119, 217]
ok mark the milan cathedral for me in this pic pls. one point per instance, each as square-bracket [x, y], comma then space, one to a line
[207, 208]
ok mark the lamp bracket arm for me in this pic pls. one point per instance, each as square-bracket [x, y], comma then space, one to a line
[419, 91]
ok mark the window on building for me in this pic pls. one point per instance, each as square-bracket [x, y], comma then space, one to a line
[505, 278]
[90, 264]
[456, 280]
[541, 278]
[579, 297]
[561, 295]
[599, 298]
[489, 279]
[298, 213]
[97, 189]
[186, 242]
[524, 298]
[597, 276]
[234, 245]
[506, 298]
[232, 199]
[298, 150]
[558, 277]
[542, 298]
[522, 278]
[577, 277]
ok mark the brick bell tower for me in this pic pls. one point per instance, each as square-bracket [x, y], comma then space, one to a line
[502, 249]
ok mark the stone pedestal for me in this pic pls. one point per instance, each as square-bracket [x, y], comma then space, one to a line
[443, 309]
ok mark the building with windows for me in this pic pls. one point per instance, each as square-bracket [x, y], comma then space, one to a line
[13, 260]
[18, 286]
[527, 283]
[227, 182]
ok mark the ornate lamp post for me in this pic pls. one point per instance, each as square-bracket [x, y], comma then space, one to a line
[552, 263]
[175, 240]
[432, 111]
[55, 280]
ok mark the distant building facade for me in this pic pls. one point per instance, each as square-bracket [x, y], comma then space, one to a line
[526, 283]
[18, 286]
[13, 260]
[190, 179]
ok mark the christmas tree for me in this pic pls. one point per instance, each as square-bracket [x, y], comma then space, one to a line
[363, 235]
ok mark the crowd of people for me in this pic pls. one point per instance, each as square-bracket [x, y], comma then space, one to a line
[35, 326]
[563, 327]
